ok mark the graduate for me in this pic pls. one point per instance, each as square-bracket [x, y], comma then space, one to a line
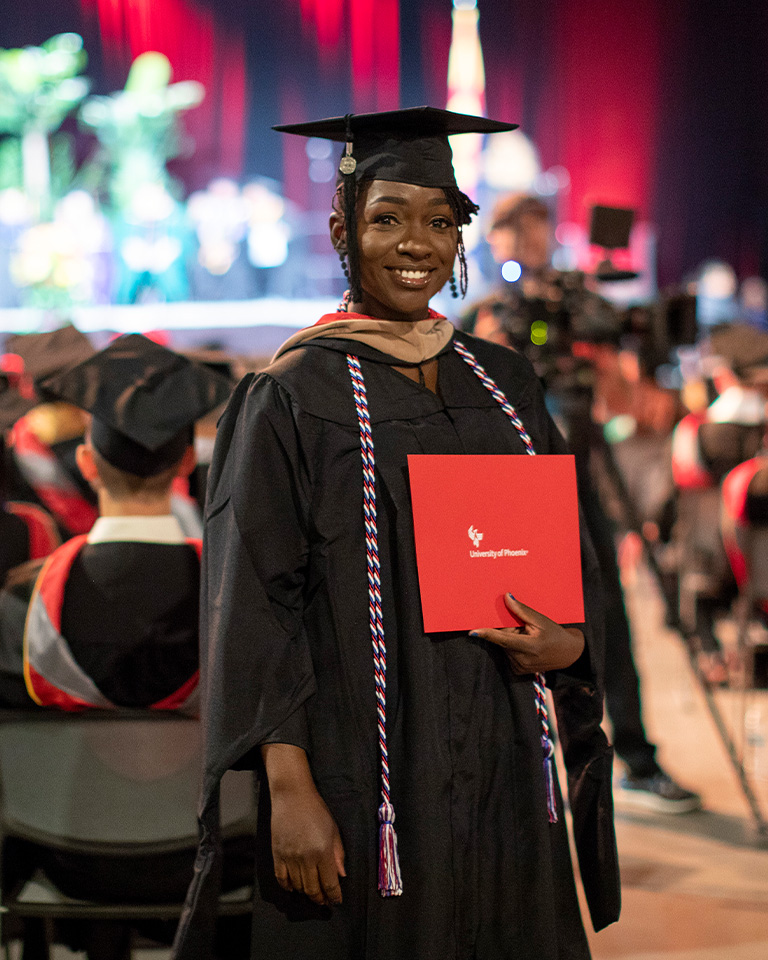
[408, 803]
[42, 443]
[111, 618]
[27, 532]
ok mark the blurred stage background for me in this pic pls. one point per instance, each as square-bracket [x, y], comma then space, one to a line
[171, 192]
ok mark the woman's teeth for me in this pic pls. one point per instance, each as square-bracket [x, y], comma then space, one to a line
[412, 274]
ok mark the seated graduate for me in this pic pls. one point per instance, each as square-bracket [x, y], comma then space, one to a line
[111, 619]
[42, 444]
[27, 532]
[745, 510]
[706, 445]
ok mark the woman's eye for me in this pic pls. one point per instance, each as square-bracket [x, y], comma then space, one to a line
[385, 218]
[442, 223]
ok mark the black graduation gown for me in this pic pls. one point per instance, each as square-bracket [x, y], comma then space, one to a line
[14, 542]
[129, 617]
[287, 657]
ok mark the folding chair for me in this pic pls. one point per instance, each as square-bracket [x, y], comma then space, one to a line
[121, 785]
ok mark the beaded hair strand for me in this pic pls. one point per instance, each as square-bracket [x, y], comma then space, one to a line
[463, 210]
[345, 199]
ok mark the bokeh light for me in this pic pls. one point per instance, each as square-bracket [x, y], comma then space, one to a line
[539, 333]
[511, 271]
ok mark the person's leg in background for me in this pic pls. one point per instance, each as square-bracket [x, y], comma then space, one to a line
[644, 783]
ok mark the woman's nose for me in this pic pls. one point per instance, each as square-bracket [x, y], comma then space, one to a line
[415, 242]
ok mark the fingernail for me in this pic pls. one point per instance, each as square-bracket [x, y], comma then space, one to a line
[474, 633]
[511, 597]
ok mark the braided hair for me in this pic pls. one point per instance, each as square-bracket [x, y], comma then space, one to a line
[345, 203]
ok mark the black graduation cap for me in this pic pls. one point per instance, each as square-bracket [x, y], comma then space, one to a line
[405, 146]
[144, 400]
[47, 353]
[743, 347]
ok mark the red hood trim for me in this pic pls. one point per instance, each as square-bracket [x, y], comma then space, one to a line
[43, 535]
[735, 488]
[47, 695]
[52, 579]
[341, 315]
[61, 497]
[690, 474]
[180, 697]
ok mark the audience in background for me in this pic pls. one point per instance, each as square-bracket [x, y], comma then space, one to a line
[706, 445]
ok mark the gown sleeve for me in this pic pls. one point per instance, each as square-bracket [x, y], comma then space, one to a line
[255, 661]
[255, 665]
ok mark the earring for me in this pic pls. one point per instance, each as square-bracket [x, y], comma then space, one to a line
[346, 300]
[454, 289]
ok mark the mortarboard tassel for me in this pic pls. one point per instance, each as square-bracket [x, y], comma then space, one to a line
[347, 167]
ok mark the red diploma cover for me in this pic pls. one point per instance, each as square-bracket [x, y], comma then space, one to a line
[490, 525]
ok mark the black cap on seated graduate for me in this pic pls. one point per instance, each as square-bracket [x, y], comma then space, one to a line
[402, 146]
[743, 347]
[144, 400]
[46, 353]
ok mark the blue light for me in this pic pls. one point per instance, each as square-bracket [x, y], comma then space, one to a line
[322, 171]
[511, 271]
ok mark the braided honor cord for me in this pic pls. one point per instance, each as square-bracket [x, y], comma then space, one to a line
[538, 682]
[390, 883]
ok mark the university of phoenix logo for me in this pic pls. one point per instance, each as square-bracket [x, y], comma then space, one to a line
[475, 536]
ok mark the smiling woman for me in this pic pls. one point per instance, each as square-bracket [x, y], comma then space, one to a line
[408, 239]
[319, 673]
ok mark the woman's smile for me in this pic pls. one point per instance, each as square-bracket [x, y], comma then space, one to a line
[410, 277]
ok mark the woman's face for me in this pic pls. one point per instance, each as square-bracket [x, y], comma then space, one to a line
[407, 237]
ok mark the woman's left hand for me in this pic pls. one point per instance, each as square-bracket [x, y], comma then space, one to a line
[539, 644]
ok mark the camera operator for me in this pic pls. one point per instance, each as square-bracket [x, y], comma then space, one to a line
[544, 314]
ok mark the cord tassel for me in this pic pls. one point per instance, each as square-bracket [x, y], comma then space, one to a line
[549, 777]
[390, 882]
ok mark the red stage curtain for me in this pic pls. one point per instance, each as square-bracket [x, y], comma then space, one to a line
[200, 46]
[375, 43]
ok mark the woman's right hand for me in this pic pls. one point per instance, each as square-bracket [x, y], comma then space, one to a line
[306, 845]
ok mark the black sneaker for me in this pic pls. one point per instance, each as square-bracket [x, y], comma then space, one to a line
[658, 793]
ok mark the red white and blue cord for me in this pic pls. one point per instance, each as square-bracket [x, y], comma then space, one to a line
[390, 881]
[538, 683]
